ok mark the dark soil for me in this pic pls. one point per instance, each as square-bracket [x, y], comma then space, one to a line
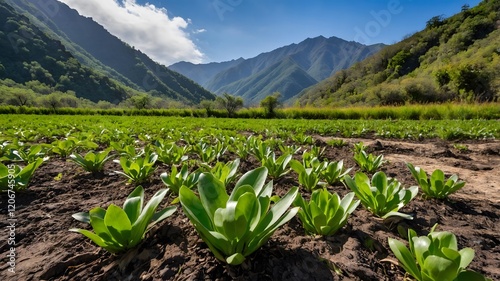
[46, 250]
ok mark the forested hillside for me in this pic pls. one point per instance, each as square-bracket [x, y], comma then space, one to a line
[455, 58]
[101, 54]
[28, 54]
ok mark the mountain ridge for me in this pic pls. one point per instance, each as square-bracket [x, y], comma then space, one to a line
[452, 59]
[95, 47]
[318, 57]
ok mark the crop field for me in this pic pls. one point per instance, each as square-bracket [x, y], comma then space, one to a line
[171, 198]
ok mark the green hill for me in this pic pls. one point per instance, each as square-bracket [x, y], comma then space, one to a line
[105, 55]
[28, 54]
[452, 59]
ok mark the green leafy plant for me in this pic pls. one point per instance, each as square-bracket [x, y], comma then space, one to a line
[171, 154]
[325, 213]
[436, 186]
[289, 149]
[317, 151]
[336, 142]
[463, 148]
[205, 151]
[179, 178]
[358, 147]
[27, 155]
[368, 162]
[240, 147]
[382, 196]
[118, 229]
[223, 172]
[127, 150]
[308, 177]
[261, 150]
[16, 178]
[301, 138]
[139, 169]
[66, 146]
[435, 257]
[277, 167]
[334, 172]
[93, 161]
[234, 226]
[63, 147]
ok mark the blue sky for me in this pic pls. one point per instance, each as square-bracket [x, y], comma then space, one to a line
[221, 30]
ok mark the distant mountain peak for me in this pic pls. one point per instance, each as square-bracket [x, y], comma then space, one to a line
[301, 64]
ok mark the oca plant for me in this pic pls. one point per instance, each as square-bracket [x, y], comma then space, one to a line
[435, 257]
[118, 229]
[325, 213]
[17, 177]
[436, 186]
[382, 196]
[236, 225]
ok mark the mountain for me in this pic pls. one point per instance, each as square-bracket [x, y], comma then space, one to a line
[285, 76]
[28, 54]
[96, 48]
[311, 61]
[452, 59]
[202, 73]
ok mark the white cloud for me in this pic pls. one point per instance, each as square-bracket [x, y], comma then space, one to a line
[201, 30]
[146, 27]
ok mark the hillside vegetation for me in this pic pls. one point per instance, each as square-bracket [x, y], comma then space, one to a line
[452, 59]
[47, 38]
[28, 54]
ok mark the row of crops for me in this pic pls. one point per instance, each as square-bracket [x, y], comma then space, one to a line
[235, 211]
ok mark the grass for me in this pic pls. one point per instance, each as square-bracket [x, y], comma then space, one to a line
[447, 111]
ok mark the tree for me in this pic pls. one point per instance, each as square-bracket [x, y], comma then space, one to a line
[270, 103]
[141, 101]
[51, 101]
[435, 21]
[22, 97]
[230, 103]
[208, 105]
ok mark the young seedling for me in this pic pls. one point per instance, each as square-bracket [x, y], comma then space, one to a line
[92, 162]
[435, 257]
[16, 178]
[277, 167]
[118, 229]
[325, 213]
[236, 225]
[138, 170]
[382, 196]
[436, 186]
[177, 179]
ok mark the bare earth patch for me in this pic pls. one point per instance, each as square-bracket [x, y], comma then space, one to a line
[46, 250]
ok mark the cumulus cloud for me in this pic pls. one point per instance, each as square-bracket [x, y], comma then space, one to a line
[146, 27]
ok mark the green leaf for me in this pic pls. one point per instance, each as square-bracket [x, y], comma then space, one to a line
[467, 255]
[405, 257]
[470, 276]
[83, 217]
[440, 269]
[194, 209]
[133, 204]
[118, 224]
[140, 225]
[255, 178]
[235, 259]
[212, 194]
